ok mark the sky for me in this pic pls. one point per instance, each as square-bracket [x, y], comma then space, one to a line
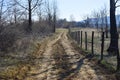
[79, 8]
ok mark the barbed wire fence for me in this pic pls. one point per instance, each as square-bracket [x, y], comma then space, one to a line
[96, 43]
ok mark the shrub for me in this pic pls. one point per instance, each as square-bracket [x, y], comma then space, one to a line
[7, 37]
[6, 40]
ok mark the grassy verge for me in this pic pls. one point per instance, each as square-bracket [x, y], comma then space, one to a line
[87, 52]
[17, 67]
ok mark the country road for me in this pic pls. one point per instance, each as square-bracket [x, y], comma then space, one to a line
[59, 40]
[56, 57]
[61, 61]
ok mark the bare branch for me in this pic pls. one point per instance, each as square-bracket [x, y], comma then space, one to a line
[21, 5]
[117, 6]
[38, 2]
[21, 14]
[116, 1]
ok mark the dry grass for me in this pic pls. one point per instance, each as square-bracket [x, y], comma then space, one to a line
[17, 71]
[18, 63]
[60, 57]
[21, 62]
[97, 44]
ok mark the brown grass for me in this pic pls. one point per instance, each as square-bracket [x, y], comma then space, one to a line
[97, 44]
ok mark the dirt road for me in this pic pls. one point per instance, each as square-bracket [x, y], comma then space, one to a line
[57, 59]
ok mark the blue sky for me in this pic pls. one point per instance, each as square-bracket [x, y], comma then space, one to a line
[79, 8]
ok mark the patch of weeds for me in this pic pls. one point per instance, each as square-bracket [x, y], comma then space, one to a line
[15, 72]
[107, 65]
[39, 48]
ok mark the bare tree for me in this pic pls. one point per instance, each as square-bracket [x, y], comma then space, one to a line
[113, 28]
[1, 14]
[31, 6]
[49, 12]
[113, 32]
[54, 15]
[96, 15]
[72, 19]
[39, 13]
[15, 11]
[104, 21]
[1, 9]
[49, 16]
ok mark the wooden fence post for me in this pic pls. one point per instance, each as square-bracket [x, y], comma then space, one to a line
[85, 40]
[78, 37]
[92, 43]
[74, 35]
[102, 46]
[81, 39]
[71, 34]
[69, 30]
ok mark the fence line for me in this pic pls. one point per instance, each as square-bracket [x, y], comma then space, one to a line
[78, 37]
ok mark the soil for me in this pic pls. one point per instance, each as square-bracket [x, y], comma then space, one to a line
[59, 58]
[61, 61]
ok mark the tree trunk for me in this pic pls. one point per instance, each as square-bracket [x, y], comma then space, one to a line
[106, 29]
[113, 48]
[30, 19]
[54, 22]
[1, 10]
[50, 21]
[15, 11]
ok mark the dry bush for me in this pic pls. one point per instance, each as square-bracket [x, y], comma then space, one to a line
[1, 28]
[14, 38]
[41, 28]
[7, 40]
[9, 34]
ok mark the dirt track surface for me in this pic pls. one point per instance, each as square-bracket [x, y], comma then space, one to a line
[57, 59]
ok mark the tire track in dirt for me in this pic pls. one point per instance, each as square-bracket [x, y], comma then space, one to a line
[61, 61]
[43, 72]
[81, 67]
[77, 61]
[49, 53]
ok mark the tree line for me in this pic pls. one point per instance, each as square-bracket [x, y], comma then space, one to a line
[16, 11]
[21, 18]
